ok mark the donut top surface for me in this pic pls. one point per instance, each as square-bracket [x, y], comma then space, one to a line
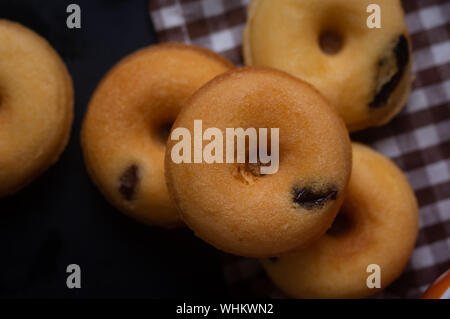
[363, 72]
[128, 121]
[36, 106]
[233, 206]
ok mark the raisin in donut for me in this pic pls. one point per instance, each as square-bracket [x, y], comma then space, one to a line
[377, 224]
[36, 106]
[128, 121]
[363, 72]
[235, 207]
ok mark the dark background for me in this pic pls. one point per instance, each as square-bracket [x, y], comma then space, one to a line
[61, 218]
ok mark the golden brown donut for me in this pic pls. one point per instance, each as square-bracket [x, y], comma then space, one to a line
[363, 72]
[36, 106]
[231, 205]
[377, 224]
[128, 120]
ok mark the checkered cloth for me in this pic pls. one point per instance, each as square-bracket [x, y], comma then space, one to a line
[418, 139]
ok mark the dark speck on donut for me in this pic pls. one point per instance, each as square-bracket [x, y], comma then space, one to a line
[273, 259]
[128, 182]
[309, 199]
[401, 53]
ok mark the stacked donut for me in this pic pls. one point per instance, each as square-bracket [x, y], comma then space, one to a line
[333, 209]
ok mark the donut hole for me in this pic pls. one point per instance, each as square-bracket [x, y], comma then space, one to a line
[163, 131]
[330, 41]
[341, 226]
[248, 172]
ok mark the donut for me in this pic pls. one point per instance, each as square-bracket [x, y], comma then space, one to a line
[362, 71]
[36, 106]
[377, 225]
[237, 207]
[128, 120]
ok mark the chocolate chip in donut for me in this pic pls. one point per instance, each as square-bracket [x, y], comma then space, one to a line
[248, 173]
[309, 199]
[129, 181]
[391, 67]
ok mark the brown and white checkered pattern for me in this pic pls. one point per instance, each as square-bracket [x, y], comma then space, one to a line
[418, 139]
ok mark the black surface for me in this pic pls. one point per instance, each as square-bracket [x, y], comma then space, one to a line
[61, 218]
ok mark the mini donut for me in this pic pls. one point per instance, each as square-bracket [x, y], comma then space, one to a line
[232, 205]
[128, 121]
[36, 106]
[377, 224]
[363, 72]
